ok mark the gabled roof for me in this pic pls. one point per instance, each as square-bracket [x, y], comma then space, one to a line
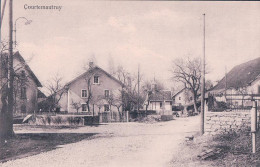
[95, 68]
[241, 75]
[40, 94]
[18, 56]
[178, 92]
[164, 95]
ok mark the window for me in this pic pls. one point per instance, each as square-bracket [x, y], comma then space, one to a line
[106, 93]
[23, 92]
[84, 107]
[179, 98]
[106, 107]
[84, 93]
[258, 89]
[23, 74]
[160, 104]
[96, 79]
[23, 108]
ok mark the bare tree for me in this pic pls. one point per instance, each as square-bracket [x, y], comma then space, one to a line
[76, 105]
[89, 77]
[56, 90]
[6, 122]
[243, 91]
[123, 75]
[18, 81]
[100, 102]
[117, 100]
[130, 93]
[208, 85]
[188, 71]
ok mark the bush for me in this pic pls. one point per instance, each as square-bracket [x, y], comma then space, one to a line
[166, 117]
[57, 120]
[177, 108]
[142, 113]
[88, 120]
[48, 118]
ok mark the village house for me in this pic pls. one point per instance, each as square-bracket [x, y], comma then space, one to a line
[159, 100]
[183, 97]
[242, 79]
[95, 87]
[26, 85]
[41, 96]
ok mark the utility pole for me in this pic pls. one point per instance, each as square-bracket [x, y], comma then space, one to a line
[203, 82]
[10, 70]
[1, 17]
[3, 11]
[138, 88]
[225, 82]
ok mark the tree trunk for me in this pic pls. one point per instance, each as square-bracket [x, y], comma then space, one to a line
[120, 115]
[93, 110]
[6, 126]
[6, 121]
[146, 107]
[195, 103]
[88, 106]
[111, 112]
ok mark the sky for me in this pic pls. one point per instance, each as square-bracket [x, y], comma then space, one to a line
[151, 34]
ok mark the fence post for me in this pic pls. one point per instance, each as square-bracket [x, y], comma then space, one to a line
[206, 109]
[254, 125]
[100, 117]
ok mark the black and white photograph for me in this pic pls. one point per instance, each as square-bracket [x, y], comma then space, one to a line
[113, 83]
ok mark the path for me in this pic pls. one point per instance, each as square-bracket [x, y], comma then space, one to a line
[118, 144]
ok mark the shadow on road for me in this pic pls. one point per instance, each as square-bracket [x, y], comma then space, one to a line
[27, 144]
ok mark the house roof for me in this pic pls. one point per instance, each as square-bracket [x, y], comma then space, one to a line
[178, 92]
[161, 96]
[21, 59]
[241, 75]
[95, 68]
[18, 56]
[40, 94]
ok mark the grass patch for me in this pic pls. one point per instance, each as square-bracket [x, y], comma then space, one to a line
[236, 151]
[27, 144]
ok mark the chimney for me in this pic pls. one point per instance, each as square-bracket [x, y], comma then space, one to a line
[91, 64]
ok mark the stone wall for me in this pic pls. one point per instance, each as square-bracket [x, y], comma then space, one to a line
[59, 120]
[224, 122]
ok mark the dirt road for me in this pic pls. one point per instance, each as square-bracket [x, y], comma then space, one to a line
[118, 144]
